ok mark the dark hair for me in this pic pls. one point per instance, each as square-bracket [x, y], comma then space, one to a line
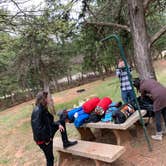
[40, 96]
[45, 93]
[136, 83]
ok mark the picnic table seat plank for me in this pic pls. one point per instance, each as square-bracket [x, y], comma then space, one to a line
[97, 151]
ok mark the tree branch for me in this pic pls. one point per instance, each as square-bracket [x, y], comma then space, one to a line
[157, 35]
[15, 3]
[146, 4]
[125, 27]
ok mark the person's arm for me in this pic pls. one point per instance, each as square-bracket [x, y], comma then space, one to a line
[37, 124]
[118, 72]
[142, 91]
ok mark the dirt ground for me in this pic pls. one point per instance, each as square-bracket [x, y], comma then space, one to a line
[18, 149]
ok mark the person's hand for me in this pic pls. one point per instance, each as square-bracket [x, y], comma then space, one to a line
[61, 128]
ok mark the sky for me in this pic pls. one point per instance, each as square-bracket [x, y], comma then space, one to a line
[36, 4]
[26, 5]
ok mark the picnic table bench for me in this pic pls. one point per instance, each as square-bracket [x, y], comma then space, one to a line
[99, 152]
[120, 131]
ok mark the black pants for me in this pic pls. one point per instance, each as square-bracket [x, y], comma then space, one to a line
[48, 149]
[158, 118]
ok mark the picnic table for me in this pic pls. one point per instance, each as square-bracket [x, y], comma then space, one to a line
[121, 131]
[88, 149]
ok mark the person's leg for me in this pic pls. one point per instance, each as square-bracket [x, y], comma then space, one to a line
[164, 117]
[130, 96]
[158, 135]
[64, 133]
[158, 121]
[48, 152]
[66, 142]
[163, 111]
[124, 96]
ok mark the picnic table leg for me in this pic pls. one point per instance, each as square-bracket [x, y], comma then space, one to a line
[122, 136]
[86, 134]
[98, 163]
[62, 159]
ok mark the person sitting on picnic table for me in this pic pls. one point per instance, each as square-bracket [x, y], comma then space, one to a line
[157, 92]
[44, 128]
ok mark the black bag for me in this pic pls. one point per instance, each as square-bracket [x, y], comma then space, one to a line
[93, 118]
[121, 115]
[147, 104]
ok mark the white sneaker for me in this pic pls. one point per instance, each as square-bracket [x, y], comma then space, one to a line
[157, 137]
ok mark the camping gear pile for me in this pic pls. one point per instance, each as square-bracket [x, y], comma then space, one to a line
[96, 109]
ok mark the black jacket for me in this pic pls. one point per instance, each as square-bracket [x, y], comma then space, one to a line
[42, 124]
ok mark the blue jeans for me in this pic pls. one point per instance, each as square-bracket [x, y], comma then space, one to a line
[158, 118]
[127, 96]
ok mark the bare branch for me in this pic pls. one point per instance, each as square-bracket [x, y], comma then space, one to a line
[125, 27]
[157, 35]
[18, 7]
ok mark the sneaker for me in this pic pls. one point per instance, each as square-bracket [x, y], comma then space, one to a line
[69, 143]
[157, 137]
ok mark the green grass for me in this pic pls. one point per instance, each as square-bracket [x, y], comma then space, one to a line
[109, 87]
[16, 127]
[4, 161]
[10, 120]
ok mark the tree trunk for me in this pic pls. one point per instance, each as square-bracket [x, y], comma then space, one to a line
[50, 99]
[140, 39]
[56, 85]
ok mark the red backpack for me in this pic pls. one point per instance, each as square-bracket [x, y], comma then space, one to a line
[102, 106]
[90, 105]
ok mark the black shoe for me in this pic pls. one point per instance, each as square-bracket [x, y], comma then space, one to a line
[69, 143]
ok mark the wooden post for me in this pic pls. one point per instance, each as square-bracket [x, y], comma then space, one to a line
[123, 137]
[62, 159]
[98, 163]
[86, 134]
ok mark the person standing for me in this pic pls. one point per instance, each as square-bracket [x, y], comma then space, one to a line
[44, 128]
[157, 92]
[126, 89]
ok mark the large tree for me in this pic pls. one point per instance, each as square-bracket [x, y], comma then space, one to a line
[137, 26]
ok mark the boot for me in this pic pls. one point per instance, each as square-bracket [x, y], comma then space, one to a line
[158, 136]
[68, 144]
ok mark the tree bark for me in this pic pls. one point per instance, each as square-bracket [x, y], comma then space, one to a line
[50, 99]
[46, 86]
[140, 39]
